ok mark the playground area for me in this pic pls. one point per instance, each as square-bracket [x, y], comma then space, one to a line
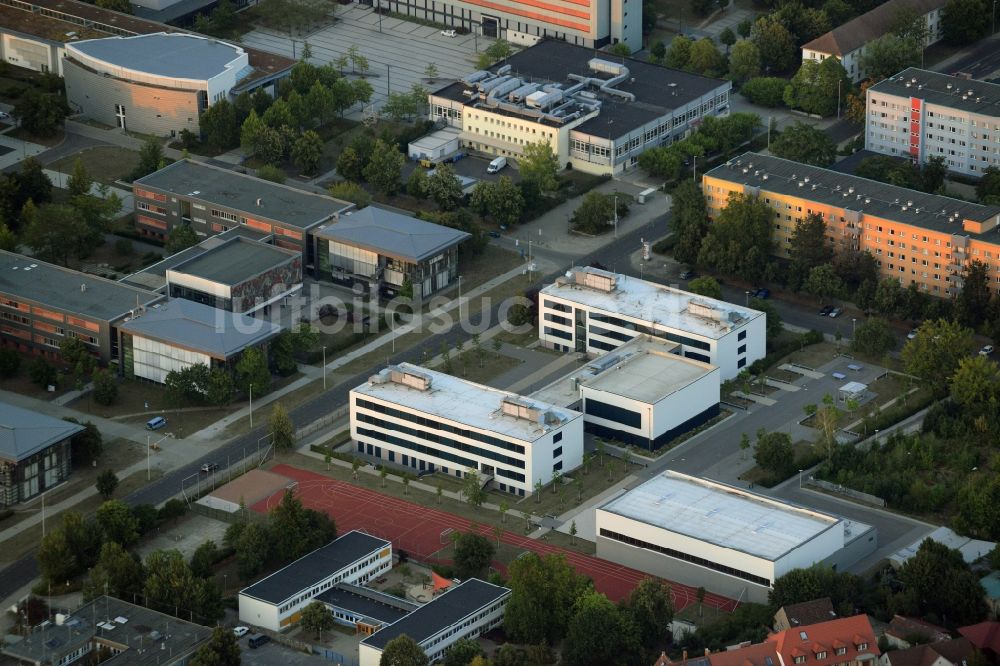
[423, 532]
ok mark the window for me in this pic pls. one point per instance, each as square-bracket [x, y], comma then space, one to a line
[742, 336]
[556, 438]
[742, 349]
[556, 452]
[841, 651]
[862, 646]
[603, 410]
[557, 333]
[800, 660]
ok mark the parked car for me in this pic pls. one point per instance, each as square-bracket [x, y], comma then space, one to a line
[156, 423]
[688, 275]
[209, 467]
[494, 234]
[827, 309]
[241, 631]
[836, 312]
[256, 640]
[912, 334]
[986, 351]
[448, 33]
[762, 293]
[4, 116]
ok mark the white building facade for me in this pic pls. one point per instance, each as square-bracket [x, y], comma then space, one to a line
[430, 421]
[731, 542]
[466, 610]
[920, 114]
[594, 311]
[276, 602]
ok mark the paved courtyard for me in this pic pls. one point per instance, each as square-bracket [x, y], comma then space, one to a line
[397, 57]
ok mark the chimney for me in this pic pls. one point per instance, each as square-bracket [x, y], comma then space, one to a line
[83, 287]
[260, 202]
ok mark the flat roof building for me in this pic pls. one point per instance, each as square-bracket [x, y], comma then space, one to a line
[428, 420]
[847, 42]
[42, 304]
[597, 114]
[156, 84]
[643, 393]
[134, 635]
[918, 114]
[35, 453]
[466, 610]
[180, 333]
[213, 200]
[915, 237]
[363, 609]
[383, 250]
[709, 534]
[276, 601]
[594, 311]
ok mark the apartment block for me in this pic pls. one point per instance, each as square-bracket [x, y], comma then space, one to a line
[919, 114]
[594, 311]
[915, 237]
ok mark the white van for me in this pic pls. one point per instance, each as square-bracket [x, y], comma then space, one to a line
[497, 164]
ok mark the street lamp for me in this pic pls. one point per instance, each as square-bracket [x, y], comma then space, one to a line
[854, 327]
[251, 406]
[640, 269]
[838, 97]
[459, 296]
[800, 479]
[748, 298]
[324, 367]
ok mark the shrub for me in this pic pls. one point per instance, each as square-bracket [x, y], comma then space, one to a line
[271, 173]
[352, 192]
[765, 90]
[10, 363]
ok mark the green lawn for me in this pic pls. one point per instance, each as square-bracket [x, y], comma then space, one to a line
[105, 164]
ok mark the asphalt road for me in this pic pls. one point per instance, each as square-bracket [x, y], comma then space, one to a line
[983, 62]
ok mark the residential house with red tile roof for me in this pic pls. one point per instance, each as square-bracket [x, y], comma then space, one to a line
[848, 641]
[986, 637]
[804, 614]
[954, 652]
[904, 632]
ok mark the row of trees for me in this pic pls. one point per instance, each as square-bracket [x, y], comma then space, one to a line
[714, 136]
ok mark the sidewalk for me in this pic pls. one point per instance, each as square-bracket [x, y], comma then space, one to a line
[116, 137]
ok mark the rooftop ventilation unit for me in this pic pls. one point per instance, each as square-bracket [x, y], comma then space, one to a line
[764, 176]
[412, 378]
[520, 409]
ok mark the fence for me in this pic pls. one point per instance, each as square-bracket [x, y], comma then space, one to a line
[849, 492]
[335, 657]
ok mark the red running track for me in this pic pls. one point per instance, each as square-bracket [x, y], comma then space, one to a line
[417, 529]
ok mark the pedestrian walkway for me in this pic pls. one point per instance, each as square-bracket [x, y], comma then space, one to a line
[115, 136]
[17, 150]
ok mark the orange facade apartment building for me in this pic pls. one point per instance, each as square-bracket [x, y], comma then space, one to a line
[915, 237]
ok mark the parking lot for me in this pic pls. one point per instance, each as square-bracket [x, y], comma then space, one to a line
[273, 654]
[397, 57]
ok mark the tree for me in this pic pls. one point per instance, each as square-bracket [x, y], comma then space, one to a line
[444, 187]
[297, 530]
[150, 158]
[744, 61]
[739, 243]
[620, 49]
[462, 652]
[972, 302]
[252, 548]
[57, 562]
[679, 54]
[598, 632]
[117, 572]
[975, 385]
[220, 126]
[40, 113]
[540, 165]
[403, 651]
[181, 237]
[799, 585]
[172, 588]
[501, 199]
[416, 184]
[934, 354]
[543, 591]
[705, 58]
[79, 181]
[307, 151]
[775, 42]
[8, 239]
[818, 87]
[964, 21]
[251, 371]
[988, 187]
[808, 248]
[652, 611]
[766, 91]
[889, 54]
[473, 554]
[56, 233]
[806, 144]
[204, 558]
[706, 286]
[107, 482]
[317, 618]
[384, 167]
[873, 337]
[688, 221]
[594, 215]
[774, 454]
[105, 388]
[281, 428]
[220, 650]
[939, 584]
[823, 282]
[472, 489]
[727, 37]
[117, 522]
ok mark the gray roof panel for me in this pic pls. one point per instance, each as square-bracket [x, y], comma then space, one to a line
[235, 261]
[171, 55]
[201, 328]
[313, 567]
[950, 91]
[68, 290]
[392, 234]
[24, 432]
[254, 196]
